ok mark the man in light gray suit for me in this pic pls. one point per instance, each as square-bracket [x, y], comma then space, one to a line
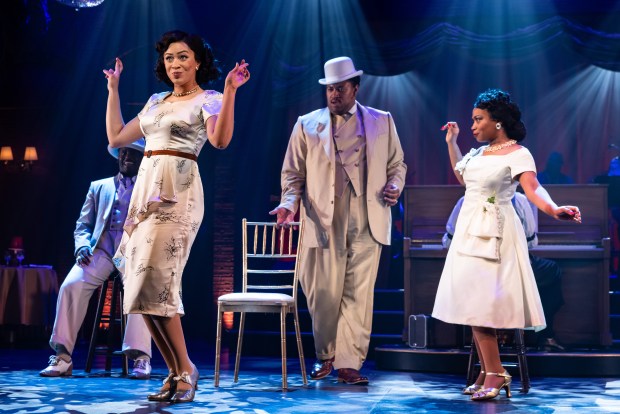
[97, 234]
[344, 164]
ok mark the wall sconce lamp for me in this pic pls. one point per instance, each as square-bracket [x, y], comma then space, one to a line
[30, 155]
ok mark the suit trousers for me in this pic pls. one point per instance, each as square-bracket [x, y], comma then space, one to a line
[338, 281]
[73, 299]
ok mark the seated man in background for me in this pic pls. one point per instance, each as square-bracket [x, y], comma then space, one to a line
[547, 272]
[97, 235]
[552, 174]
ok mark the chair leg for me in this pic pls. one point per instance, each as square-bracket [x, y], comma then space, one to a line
[239, 345]
[300, 348]
[218, 346]
[522, 360]
[473, 356]
[283, 312]
[93, 335]
[123, 317]
[111, 326]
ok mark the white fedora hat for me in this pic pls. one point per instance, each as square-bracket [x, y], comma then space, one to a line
[137, 145]
[339, 69]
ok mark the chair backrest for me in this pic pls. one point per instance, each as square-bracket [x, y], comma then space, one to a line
[270, 256]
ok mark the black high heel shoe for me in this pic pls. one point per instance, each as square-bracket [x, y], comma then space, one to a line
[165, 393]
[188, 394]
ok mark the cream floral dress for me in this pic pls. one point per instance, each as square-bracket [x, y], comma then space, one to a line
[487, 279]
[167, 204]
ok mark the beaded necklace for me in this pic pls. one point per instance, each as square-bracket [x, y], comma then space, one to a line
[497, 147]
[176, 95]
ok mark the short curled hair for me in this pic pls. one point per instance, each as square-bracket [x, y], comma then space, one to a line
[503, 110]
[208, 70]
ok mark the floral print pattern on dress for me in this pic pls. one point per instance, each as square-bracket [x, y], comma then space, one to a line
[141, 269]
[180, 130]
[163, 295]
[172, 248]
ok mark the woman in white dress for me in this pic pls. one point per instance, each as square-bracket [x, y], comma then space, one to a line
[167, 203]
[487, 281]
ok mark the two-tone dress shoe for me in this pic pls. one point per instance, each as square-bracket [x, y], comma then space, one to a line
[57, 367]
[322, 368]
[351, 376]
[141, 369]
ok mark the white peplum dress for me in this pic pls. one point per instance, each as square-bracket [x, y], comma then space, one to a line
[167, 204]
[487, 279]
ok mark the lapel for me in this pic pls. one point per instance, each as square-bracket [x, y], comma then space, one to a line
[110, 194]
[370, 127]
[324, 130]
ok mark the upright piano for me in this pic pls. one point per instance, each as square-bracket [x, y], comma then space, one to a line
[582, 251]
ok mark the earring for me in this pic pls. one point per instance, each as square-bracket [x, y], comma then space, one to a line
[196, 67]
[498, 126]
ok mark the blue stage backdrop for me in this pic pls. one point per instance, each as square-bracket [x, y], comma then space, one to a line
[425, 62]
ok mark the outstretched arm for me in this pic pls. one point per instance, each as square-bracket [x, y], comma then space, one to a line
[541, 198]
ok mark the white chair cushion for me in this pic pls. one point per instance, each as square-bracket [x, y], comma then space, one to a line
[262, 297]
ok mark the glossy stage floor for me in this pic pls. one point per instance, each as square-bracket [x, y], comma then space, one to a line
[22, 390]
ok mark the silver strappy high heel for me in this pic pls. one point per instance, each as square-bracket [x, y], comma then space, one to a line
[490, 393]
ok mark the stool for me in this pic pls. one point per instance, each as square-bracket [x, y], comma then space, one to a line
[113, 320]
[519, 347]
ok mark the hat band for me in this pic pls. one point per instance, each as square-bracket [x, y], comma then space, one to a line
[187, 155]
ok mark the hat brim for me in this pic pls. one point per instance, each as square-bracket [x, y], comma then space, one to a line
[137, 145]
[331, 81]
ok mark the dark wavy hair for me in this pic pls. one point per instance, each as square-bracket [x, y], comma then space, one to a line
[502, 109]
[208, 70]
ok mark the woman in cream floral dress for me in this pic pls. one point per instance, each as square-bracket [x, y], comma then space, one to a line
[167, 203]
[487, 281]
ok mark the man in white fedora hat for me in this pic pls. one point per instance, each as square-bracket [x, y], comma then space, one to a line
[344, 164]
[97, 234]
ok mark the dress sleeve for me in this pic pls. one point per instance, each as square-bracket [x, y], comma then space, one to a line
[152, 100]
[522, 162]
[212, 104]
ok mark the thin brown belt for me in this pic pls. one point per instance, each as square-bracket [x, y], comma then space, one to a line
[171, 152]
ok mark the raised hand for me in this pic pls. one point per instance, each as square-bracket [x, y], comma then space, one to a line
[452, 129]
[238, 76]
[113, 75]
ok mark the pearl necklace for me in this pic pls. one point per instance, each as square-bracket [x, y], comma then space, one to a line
[176, 95]
[497, 147]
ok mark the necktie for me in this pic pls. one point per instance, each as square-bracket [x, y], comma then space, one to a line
[341, 119]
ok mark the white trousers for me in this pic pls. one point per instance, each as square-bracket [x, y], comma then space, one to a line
[73, 298]
[339, 281]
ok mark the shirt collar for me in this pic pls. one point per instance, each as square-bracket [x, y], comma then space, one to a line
[351, 112]
[121, 179]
